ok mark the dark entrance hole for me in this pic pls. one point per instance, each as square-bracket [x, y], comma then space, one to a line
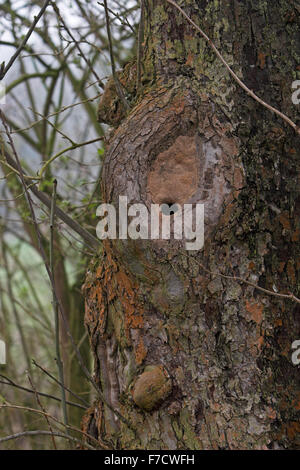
[169, 208]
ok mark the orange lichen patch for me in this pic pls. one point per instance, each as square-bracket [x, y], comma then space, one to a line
[215, 407]
[261, 59]
[289, 399]
[200, 283]
[123, 288]
[256, 343]
[126, 292]
[177, 106]
[111, 261]
[285, 351]
[251, 266]
[190, 59]
[110, 285]
[238, 181]
[255, 310]
[296, 403]
[140, 352]
[291, 272]
[95, 316]
[295, 235]
[284, 220]
[229, 209]
[281, 266]
[174, 174]
[260, 342]
[271, 413]
[292, 429]
[133, 319]
[238, 178]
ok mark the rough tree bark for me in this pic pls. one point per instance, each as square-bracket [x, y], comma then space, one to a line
[194, 360]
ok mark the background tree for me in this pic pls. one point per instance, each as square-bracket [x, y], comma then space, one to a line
[51, 93]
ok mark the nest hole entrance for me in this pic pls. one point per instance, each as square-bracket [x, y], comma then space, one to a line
[169, 208]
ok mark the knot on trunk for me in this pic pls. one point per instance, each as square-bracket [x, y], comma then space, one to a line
[111, 110]
[151, 388]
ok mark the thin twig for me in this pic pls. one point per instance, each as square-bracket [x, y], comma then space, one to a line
[45, 120]
[11, 383]
[26, 310]
[124, 21]
[100, 444]
[288, 296]
[43, 410]
[23, 43]
[55, 307]
[27, 177]
[90, 240]
[29, 76]
[45, 433]
[118, 85]
[61, 110]
[11, 167]
[87, 61]
[235, 77]
[59, 154]
[59, 383]
[140, 46]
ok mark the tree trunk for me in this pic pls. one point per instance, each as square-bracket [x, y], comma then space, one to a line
[195, 360]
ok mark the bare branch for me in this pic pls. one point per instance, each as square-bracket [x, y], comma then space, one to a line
[88, 237]
[140, 46]
[49, 416]
[59, 154]
[11, 383]
[55, 307]
[118, 85]
[87, 61]
[59, 383]
[43, 410]
[45, 433]
[22, 45]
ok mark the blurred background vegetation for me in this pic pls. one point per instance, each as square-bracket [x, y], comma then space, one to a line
[52, 92]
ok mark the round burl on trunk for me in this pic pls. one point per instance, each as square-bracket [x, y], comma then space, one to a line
[151, 388]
